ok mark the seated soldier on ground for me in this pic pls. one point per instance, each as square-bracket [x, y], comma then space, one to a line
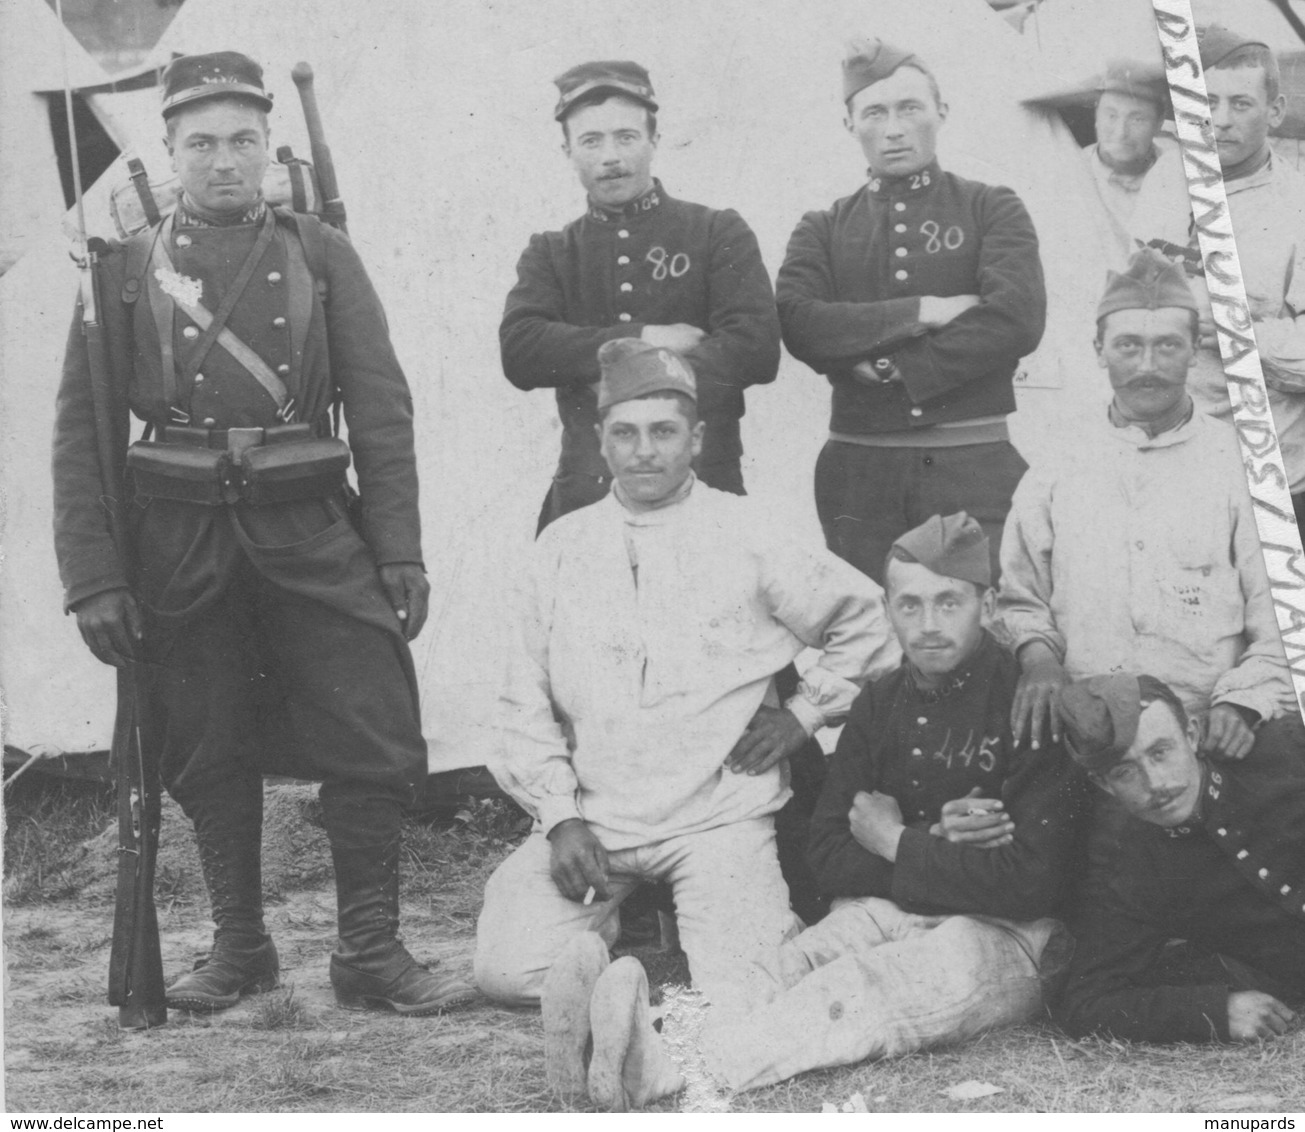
[1183, 848]
[641, 728]
[1137, 550]
[944, 845]
[933, 939]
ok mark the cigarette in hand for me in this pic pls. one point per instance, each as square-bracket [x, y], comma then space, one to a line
[589, 896]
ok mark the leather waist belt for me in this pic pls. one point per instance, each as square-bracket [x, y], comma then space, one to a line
[949, 434]
[234, 439]
[238, 465]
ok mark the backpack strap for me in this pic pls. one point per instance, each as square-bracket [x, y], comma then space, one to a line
[138, 249]
[314, 243]
[140, 179]
[307, 257]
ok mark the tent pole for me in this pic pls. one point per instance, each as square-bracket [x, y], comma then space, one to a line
[1297, 25]
[72, 133]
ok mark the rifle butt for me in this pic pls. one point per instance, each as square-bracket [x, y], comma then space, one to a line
[145, 1006]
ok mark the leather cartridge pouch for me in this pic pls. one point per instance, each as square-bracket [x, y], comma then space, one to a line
[256, 466]
[292, 465]
[181, 471]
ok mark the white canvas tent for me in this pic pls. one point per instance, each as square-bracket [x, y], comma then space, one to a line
[31, 195]
[1258, 18]
[440, 120]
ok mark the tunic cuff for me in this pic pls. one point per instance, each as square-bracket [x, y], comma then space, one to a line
[79, 593]
[807, 714]
[1209, 1012]
[910, 869]
[1050, 638]
[554, 810]
[1264, 701]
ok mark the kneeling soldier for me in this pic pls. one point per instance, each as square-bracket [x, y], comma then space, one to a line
[642, 729]
[262, 621]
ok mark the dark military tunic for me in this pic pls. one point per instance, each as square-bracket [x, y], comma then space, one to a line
[350, 349]
[267, 626]
[660, 261]
[849, 291]
[850, 288]
[926, 748]
[1231, 882]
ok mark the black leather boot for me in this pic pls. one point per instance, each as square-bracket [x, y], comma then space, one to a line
[372, 969]
[243, 959]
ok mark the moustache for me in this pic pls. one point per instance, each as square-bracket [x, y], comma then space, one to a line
[1145, 379]
[932, 643]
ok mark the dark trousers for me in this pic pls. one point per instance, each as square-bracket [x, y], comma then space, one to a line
[869, 497]
[266, 681]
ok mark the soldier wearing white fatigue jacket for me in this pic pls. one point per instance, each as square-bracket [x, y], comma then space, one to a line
[639, 720]
[1137, 548]
[1266, 200]
[1139, 175]
[639, 263]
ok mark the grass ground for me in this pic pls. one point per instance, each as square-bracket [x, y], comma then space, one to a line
[295, 1050]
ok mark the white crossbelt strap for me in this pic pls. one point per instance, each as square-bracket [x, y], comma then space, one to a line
[200, 314]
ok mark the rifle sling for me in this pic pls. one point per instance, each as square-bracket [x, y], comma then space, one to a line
[141, 181]
[163, 311]
[299, 293]
[213, 325]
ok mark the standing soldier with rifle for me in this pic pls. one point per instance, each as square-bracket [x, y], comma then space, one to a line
[263, 624]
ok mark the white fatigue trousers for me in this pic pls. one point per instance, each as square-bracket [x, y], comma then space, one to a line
[731, 905]
[870, 980]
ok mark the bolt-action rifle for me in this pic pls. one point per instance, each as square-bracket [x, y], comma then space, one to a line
[135, 961]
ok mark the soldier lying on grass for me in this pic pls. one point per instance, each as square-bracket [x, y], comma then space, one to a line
[1183, 848]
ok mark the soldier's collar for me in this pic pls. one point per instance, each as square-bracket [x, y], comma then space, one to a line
[190, 215]
[1178, 416]
[956, 679]
[1113, 174]
[909, 185]
[1259, 163]
[649, 201]
[1211, 788]
[650, 516]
